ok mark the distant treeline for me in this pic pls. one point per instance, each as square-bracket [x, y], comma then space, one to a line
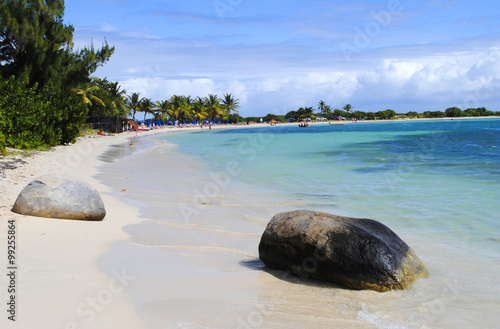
[347, 112]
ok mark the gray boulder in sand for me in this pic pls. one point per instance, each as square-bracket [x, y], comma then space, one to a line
[55, 197]
[357, 253]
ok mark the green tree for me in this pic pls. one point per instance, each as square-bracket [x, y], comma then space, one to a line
[117, 100]
[180, 107]
[348, 108]
[230, 104]
[453, 112]
[213, 107]
[146, 106]
[134, 102]
[292, 115]
[29, 119]
[36, 46]
[163, 108]
[87, 93]
[199, 110]
[412, 114]
[322, 107]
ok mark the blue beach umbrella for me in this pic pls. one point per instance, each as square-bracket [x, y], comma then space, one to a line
[183, 121]
[148, 123]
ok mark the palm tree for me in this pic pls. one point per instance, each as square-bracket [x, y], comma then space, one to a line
[87, 94]
[230, 104]
[309, 111]
[134, 102]
[348, 108]
[322, 106]
[328, 110]
[199, 111]
[163, 107]
[213, 106]
[179, 107]
[118, 100]
[146, 106]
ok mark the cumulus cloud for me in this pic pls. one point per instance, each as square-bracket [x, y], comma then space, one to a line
[432, 83]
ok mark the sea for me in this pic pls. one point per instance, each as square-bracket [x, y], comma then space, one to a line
[206, 196]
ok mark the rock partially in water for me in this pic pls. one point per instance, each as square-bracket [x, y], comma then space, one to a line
[357, 253]
[54, 197]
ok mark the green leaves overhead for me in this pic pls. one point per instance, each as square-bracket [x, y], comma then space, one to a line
[35, 44]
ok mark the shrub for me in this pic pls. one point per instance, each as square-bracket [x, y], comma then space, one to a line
[30, 119]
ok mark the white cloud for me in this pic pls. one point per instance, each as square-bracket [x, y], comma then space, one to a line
[105, 27]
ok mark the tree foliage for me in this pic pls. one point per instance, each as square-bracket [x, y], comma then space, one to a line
[32, 119]
[44, 81]
[36, 45]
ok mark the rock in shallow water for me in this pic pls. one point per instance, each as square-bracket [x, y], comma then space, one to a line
[355, 252]
[54, 197]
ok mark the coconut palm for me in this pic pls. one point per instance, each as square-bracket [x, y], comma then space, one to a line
[213, 107]
[322, 106]
[198, 109]
[134, 102]
[164, 108]
[87, 94]
[348, 108]
[146, 106]
[230, 104]
[117, 100]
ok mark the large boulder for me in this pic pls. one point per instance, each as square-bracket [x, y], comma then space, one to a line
[55, 197]
[357, 253]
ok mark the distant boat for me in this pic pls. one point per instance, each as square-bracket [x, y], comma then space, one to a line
[303, 124]
[336, 124]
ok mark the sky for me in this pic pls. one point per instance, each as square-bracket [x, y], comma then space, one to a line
[276, 56]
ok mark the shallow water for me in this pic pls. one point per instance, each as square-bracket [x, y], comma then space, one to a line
[207, 197]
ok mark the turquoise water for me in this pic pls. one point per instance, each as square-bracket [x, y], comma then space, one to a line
[206, 197]
[430, 176]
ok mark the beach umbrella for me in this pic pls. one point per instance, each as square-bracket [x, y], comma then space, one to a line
[183, 121]
[148, 123]
[179, 122]
[163, 122]
[194, 121]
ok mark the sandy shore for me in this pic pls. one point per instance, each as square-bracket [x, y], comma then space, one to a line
[57, 282]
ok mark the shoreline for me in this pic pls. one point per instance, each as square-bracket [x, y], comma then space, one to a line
[58, 281]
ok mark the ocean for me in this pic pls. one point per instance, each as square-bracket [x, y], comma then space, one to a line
[206, 197]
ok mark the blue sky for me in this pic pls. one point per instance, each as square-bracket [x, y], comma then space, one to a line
[276, 56]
